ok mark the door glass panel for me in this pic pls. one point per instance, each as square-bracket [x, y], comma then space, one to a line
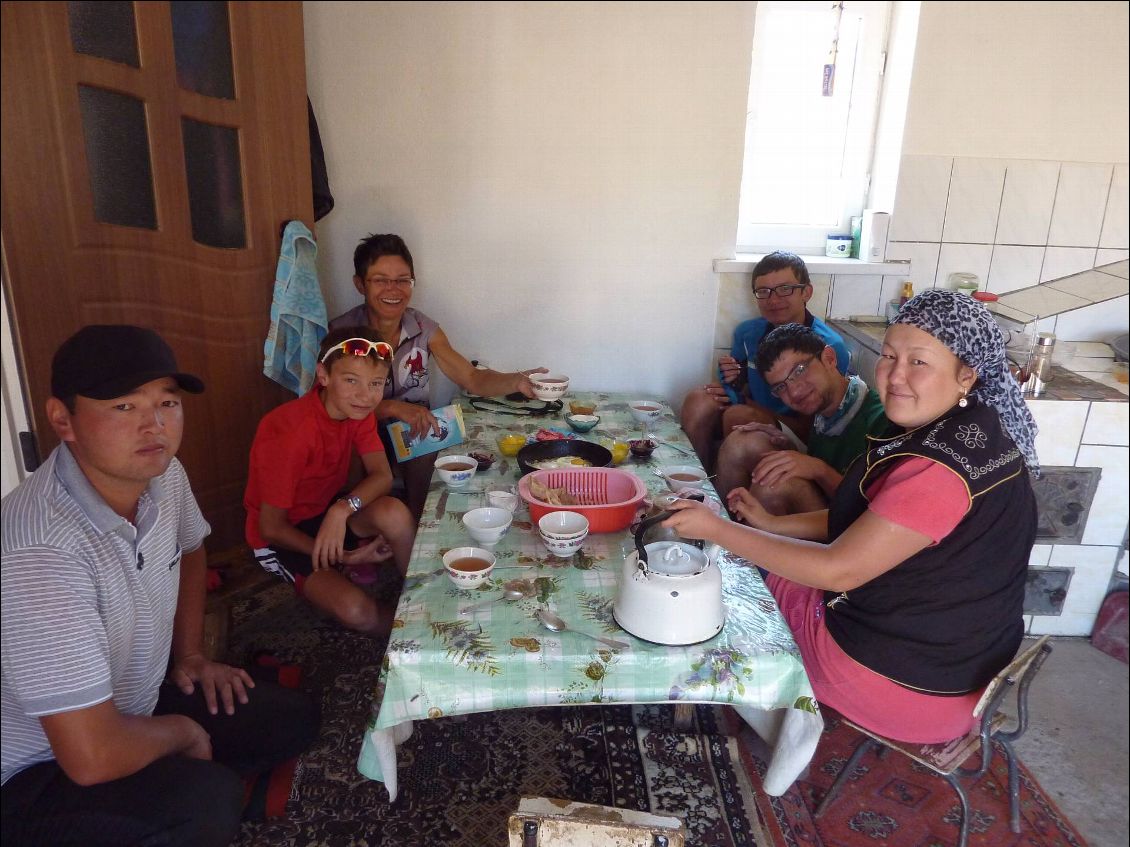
[117, 154]
[202, 43]
[105, 30]
[215, 184]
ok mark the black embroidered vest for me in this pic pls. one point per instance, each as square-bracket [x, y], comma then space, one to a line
[947, 619]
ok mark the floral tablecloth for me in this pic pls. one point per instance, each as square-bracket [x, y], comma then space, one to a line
[440, 662]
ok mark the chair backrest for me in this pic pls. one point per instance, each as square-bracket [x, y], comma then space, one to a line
[1019, 671]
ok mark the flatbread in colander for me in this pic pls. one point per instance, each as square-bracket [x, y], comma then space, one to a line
[552, 496]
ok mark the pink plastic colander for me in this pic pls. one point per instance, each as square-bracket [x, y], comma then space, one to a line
[608, 497]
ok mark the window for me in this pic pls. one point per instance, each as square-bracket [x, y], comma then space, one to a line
[810, 133]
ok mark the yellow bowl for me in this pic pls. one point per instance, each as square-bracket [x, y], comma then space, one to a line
[618, 449]
[509, 445]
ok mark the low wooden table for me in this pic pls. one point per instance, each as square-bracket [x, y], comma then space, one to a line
[440, 663]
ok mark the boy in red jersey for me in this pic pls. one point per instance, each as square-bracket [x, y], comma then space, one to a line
[300, 524]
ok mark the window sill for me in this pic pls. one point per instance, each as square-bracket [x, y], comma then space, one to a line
[745, 262]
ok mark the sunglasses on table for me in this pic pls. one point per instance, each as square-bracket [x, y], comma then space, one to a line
[360, 347]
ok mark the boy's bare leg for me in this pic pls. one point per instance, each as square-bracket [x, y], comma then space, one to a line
[738, 456]
[389, 517]
[331, 592]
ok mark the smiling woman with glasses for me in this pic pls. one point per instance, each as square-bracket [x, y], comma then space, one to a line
[384, 275]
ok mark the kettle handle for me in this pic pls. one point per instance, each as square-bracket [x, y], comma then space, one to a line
[648, 523]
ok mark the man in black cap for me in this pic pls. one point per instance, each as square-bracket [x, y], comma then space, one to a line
[105, 742]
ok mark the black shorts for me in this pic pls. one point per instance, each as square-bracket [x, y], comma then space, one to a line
[292, 566]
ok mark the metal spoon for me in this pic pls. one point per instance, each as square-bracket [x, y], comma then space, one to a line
[554, 624]
[516, 590]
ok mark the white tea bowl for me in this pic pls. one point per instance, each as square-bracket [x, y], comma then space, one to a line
[456, 471]
[458, 563]
[549, 386]
[683, 476]
[563, 526]
[645, 411]
[487, 525]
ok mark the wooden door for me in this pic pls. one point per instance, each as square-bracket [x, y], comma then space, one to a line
[151, 152]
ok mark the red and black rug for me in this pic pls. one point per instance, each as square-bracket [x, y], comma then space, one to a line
[895, 802]
[462, 777]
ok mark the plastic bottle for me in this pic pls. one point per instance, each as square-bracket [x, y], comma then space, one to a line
[907, 292]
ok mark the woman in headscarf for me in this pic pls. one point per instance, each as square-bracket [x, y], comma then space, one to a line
[906, 595]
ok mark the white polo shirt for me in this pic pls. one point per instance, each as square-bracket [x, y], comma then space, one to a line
[87, 598]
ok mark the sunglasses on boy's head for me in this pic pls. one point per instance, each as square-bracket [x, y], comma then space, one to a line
[360, 347]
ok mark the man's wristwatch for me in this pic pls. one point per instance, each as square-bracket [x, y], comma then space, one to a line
[353, 502]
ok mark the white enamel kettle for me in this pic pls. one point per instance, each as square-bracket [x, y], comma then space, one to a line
[670, 591]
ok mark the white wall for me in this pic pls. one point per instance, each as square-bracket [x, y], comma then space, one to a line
[564, 173]
[1021, 81]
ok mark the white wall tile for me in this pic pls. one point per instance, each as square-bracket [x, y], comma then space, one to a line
[1080, 202]
[1062, 624]
[1106, 523]
[1014, 267]
[1108, 423]
[1040, 555]
[855, 295]
[970, 258]
[923, 258]
[1061, 426]
[1104, 256]
[735, 304]
[920, 200]
[1116, 226]
[1100, 322]
[1093, 566]
[974, 200]
[821, 294]
[1026, 205]
[1064, 261]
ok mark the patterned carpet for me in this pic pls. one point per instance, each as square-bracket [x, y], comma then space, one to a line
[461, 777]
[895, 802]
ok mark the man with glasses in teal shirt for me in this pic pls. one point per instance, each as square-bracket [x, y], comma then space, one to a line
[782, 289]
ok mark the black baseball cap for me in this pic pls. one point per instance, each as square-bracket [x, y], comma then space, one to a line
[108, 360]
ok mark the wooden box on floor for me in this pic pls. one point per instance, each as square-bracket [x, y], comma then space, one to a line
[548, 822]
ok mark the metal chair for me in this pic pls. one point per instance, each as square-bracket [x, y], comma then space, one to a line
[946, 759]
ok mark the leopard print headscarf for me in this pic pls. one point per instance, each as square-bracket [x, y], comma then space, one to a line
[969, 331]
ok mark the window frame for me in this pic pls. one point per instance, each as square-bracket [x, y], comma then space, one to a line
[866, 89]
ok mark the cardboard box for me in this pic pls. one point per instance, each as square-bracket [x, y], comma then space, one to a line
[452, 432]
[873, 236]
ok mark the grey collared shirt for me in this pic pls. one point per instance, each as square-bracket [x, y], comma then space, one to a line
[88, 598]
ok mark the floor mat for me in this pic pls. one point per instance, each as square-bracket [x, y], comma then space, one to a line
[461, 777]
[895, 802]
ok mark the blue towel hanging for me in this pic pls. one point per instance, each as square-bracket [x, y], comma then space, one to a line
[298, 313]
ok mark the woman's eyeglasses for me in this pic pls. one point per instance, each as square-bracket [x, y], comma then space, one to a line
[387, 282]
[779, 388]
[780, 291]
[361, 347]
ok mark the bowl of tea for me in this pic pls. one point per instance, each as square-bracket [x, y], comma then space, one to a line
[549, 386]
[679, 477]
[468, 567]
[456, 471]
[645, 411]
